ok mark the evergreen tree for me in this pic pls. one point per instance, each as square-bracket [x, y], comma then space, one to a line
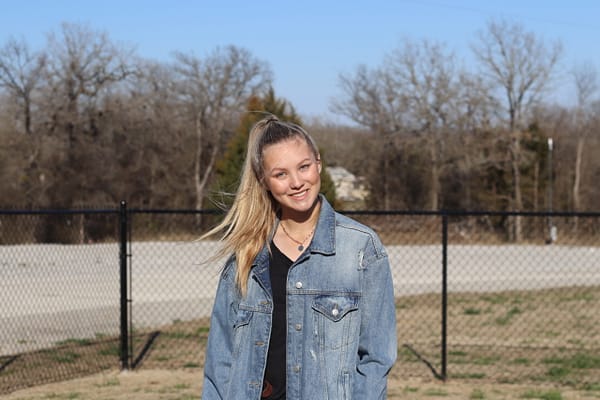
[228, 169]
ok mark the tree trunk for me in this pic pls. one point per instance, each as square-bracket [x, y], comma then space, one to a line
[536, 184]
[27, 111]
[198, 169]
[201, 177]
[387, 145]
[434, 184]
[515, 155]
[577, 181]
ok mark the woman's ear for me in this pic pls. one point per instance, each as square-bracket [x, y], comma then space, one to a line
[319, 166]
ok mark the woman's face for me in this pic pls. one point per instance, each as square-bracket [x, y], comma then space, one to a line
[292, 175]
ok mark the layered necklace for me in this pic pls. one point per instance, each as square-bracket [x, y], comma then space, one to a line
[299, 243]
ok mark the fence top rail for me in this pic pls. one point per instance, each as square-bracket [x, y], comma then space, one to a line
[470, 213]
[441, 213]
[59, 211]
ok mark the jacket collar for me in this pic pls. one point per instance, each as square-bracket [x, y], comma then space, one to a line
[324, 238]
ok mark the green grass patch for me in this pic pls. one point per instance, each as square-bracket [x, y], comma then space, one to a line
[504, 320]
[181, 386]
[557, 373]
[477, 394]
[112, 350]
[109, 382]
[203, 330]
[191, 365]
[577, 361]
[544, 395]
[583, 295]
[410, 389]
[64, 396]
[591, 387]
[472, 375]
[471, 311]
[521, 361]
[436, 393]
[67, 357]
[76, 342]
[495, 299]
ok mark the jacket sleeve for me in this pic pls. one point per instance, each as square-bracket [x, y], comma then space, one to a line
[377, 348]
[219, 347]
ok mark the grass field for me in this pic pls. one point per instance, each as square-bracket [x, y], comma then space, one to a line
[542, 344]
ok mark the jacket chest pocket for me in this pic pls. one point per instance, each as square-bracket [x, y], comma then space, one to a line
[241, 327]
[335, 320]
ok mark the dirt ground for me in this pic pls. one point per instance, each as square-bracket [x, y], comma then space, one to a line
[186, 385]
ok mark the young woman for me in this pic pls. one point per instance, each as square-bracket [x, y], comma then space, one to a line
[305, 304]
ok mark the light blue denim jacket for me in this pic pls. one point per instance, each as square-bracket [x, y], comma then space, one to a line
[341, 331]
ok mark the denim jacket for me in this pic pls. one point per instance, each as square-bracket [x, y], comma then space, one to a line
[341, 330]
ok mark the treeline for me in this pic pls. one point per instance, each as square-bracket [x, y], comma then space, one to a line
[85, 122]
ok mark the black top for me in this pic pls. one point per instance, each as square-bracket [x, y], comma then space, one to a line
[275, 373]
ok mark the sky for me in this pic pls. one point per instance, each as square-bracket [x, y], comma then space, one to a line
[309, 43]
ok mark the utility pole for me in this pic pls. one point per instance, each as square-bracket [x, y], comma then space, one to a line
[551, 228]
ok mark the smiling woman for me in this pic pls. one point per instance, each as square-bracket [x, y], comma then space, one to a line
[305, 303]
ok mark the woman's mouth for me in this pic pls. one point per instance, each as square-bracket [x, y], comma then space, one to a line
[300, 194]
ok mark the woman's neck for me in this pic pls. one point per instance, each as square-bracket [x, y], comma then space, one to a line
[302, 221]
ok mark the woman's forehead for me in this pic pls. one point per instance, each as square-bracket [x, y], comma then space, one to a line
[287, 151]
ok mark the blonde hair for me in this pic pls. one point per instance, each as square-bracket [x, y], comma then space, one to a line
[249, 223]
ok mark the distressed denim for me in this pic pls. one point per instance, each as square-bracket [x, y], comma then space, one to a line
[341, 321]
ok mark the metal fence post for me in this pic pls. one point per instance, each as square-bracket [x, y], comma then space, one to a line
[124, 336]
[444, 294]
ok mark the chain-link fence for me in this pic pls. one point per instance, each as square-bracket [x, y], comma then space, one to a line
[59, 295]
[83, 291]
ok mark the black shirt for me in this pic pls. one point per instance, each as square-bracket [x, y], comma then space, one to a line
[275, 373]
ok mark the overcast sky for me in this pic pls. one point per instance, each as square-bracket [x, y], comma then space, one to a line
[309, 43]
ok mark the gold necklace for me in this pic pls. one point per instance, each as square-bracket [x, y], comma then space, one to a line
[300, 244]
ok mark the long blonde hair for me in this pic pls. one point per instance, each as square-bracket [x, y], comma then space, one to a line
[249, 223]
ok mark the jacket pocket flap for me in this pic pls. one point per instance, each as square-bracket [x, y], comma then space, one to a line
[335, 307]
[242, 318]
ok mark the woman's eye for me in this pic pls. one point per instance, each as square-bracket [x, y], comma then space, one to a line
[280, 175]
[305, 167]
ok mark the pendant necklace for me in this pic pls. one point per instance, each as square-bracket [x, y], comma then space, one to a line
[300, 244]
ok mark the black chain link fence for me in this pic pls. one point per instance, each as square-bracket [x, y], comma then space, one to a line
[59, 296]
[471, 304]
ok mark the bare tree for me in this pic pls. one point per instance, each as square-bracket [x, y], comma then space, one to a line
[369, 99]
[20, 75]
[473, 152]
[427, 79]
[521, 67]
[586, 84]
[83, 65]
[412, 97]
[83, 68]
[212, 91]
[156, 145]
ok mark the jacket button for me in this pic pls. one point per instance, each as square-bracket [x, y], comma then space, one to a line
[296, 368]
[335, 312]
[298, 327]
[298, 285]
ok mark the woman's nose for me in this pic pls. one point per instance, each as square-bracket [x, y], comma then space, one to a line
[295, 181]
